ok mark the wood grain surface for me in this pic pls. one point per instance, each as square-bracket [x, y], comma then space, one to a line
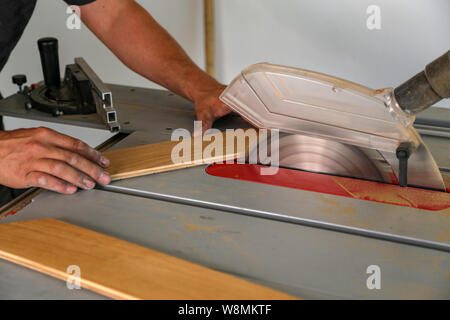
[116, 268]
[155, 158]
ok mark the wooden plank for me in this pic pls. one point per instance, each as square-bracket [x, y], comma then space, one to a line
[155, 158]
[210, 41]
[117, 268]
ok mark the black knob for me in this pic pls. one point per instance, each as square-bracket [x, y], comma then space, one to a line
[20, 80]
[48, 49]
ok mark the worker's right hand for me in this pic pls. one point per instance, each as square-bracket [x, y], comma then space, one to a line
[44, 158]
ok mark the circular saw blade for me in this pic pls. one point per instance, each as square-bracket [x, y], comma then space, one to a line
[331, 157]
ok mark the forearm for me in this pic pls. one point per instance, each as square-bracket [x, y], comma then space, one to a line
[144, 46]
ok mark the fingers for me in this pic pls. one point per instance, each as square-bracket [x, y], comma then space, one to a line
[206, 124]
[73, 145]
[77, 154]
[46, 181]
[44, 158]
[207, 120]
[209, 111]
[65, 172]
[74, 160]
[222, 110]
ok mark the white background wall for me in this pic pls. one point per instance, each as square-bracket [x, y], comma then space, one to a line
[328, 36]
[331, 36]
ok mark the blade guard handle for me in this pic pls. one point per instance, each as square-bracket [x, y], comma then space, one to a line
[427, 87]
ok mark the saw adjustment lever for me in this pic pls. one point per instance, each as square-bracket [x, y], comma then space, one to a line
[403, 152]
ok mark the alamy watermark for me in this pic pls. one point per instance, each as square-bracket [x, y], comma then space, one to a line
[216, 147]
[374, 280]
[73, 21]
[373, 21]
[73, 281]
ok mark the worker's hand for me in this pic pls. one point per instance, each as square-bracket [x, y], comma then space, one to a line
[44, 158]
[208, 106]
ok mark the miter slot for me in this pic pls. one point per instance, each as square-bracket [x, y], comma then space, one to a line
[221, 207]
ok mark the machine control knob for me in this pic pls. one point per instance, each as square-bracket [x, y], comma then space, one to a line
[20, 80]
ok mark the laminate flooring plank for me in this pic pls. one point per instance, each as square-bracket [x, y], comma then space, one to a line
[117, 268]
[156, 158]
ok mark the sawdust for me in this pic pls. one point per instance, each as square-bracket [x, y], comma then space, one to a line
[193, 227]
[207, 218]
[237, 247]
[336, 207]
[443, 236]
[409, 197]
[343, 187]
[446, 178]
[226, 235]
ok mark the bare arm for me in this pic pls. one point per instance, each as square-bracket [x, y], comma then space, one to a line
[132, 34]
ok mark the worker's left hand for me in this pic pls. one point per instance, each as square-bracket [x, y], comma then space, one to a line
[208, 106]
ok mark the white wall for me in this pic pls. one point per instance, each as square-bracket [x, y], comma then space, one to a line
[329, 36]
[182, 18]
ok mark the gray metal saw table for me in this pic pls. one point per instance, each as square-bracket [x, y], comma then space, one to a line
[305, 243]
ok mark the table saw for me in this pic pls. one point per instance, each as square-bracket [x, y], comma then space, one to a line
[291, 232]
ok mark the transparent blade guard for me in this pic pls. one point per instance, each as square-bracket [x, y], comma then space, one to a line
[308, 103]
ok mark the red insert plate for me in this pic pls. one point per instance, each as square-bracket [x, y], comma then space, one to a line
[340, 186]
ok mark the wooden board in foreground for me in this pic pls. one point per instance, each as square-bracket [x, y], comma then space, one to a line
[117, 268]
[156, 158]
